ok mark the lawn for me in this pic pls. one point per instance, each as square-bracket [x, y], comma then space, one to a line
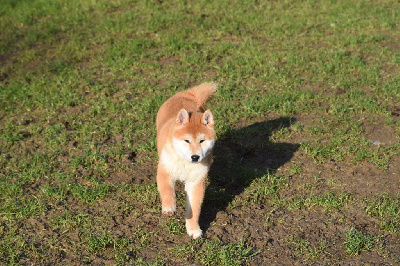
[306, 167]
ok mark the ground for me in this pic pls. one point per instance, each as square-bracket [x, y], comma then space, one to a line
[306, 168]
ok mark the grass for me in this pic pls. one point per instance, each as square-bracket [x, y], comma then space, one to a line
[306, 123]
[215, 252]
[230, 254]
[357, 241]
[175, 227]
[302, 247]
[329, 202]
[387, 210]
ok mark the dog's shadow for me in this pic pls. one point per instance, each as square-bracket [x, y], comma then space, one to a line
[241, 156]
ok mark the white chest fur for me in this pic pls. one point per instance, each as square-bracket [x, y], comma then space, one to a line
[181, 169]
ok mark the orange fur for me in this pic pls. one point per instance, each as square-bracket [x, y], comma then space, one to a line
[185, 138]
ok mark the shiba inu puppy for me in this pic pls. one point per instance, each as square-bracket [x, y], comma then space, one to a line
[185, 139]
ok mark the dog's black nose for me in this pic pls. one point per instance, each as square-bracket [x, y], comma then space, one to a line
[195, 158]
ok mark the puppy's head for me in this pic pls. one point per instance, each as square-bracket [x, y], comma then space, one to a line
[194, 135]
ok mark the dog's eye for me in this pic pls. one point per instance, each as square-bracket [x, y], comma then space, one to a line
[186, 140]
[201, 141]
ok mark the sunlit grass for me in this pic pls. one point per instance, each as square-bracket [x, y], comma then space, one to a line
[81, 83]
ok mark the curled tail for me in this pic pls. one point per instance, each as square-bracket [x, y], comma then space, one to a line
[203, 92]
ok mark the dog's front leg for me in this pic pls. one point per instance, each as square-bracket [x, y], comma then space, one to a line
[194, 199]
[166, 187]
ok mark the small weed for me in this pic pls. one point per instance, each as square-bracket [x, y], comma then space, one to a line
[70, 221]
[268, 185]
[296, 169]
[329, 202]
[387, 210]
[268, 218]
[304, 248]
[11, 248]
[89, 194]
[21, 208]
[296, 203]
[357, 241]
[142, 237]
[332, 182]
[175, 226]
[122, 247]
[215, 252]
[185, 251]
[99, 240]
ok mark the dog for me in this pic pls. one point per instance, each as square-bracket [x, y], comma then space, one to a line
[185, 140]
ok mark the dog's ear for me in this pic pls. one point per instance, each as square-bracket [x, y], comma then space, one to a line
[208, 119]
[182, 118]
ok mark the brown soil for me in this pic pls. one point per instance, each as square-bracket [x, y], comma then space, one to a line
[270, 230]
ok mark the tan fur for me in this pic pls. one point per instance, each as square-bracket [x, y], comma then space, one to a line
[185, 131]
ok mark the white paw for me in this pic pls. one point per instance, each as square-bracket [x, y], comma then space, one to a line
[169, 210]
[194, 233]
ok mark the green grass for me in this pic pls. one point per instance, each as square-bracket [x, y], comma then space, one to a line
[268, 186]
[357, 241]
[306, 90]
[215, 252]
[329, 202]
[175, 226]
[302, 247]
[387, 210]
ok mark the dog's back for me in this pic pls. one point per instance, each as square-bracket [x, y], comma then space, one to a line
[191, 100]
